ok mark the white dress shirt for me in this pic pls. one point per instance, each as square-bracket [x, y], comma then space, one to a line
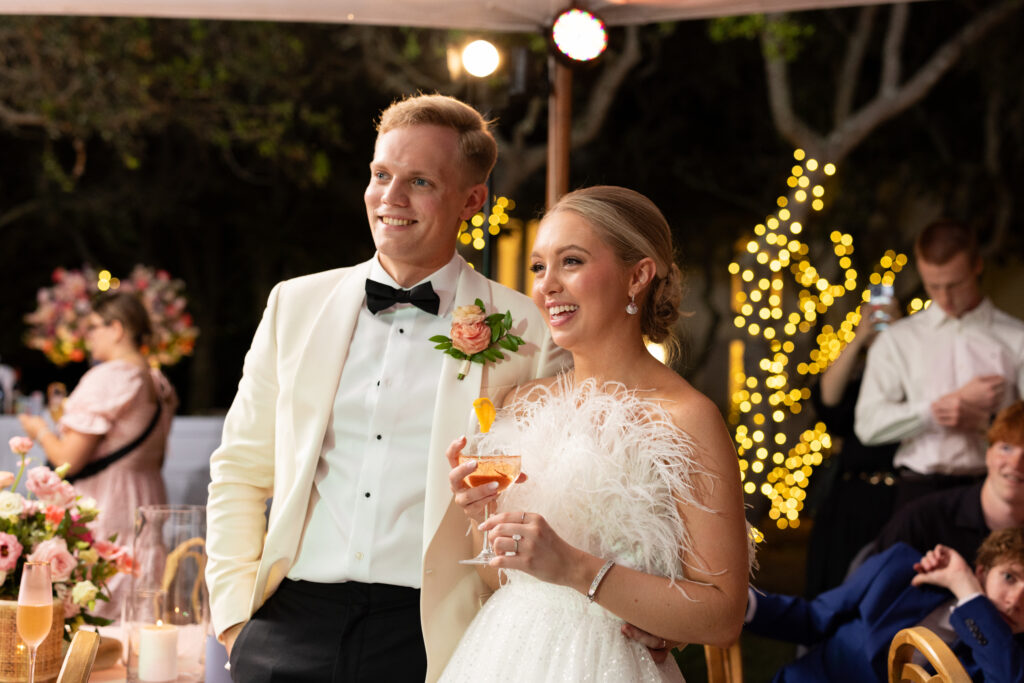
[921, 358]
[366, 511]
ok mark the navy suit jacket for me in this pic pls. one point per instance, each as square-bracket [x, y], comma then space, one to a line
[850, 627]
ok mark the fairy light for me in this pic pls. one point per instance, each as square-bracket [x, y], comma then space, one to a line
[472, 232]
[775, 460]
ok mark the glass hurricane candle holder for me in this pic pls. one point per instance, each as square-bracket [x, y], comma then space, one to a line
[167, 610]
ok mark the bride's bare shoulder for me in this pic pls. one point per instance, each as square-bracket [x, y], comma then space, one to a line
[691, 410]
[530, 391]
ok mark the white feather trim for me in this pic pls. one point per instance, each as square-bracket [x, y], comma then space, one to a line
[606, 468]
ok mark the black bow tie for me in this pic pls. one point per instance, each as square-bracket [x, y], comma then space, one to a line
[379, 296]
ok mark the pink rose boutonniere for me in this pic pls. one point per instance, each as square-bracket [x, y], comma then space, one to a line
[476, 336]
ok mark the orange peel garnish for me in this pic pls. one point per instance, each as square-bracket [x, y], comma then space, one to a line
[484, 413]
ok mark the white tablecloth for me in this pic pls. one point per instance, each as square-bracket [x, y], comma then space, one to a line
[186, 467]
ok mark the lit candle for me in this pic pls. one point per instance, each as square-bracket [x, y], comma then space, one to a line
[158, 653]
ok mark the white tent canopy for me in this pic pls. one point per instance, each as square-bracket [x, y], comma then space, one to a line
[494, 15]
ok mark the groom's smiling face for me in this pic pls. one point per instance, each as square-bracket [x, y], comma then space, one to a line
[417, 196]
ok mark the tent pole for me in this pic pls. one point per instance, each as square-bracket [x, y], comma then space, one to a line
[559, 129]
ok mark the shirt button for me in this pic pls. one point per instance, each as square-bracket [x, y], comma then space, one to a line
[401, 330]
[359, 556]
[379, 437]
[367, 494]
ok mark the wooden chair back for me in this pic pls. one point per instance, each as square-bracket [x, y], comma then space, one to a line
[78, 661]
[948, 668]
[724, 665]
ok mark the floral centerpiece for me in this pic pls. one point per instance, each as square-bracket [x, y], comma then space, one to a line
[57, 326]
[51, 525]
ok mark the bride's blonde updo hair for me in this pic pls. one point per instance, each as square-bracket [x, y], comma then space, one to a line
[635, 229]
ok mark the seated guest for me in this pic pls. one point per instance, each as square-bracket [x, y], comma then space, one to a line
[113, 433]
[963, 516]
[979, 614]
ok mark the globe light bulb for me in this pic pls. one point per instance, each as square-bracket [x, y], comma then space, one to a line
[480, 58]
[579, 35]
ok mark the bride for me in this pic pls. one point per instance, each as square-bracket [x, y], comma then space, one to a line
[631, 519]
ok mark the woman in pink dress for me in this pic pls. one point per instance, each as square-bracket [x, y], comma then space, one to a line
[113, 434]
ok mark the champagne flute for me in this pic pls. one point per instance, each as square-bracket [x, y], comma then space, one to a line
[35, 609]
[500, 467]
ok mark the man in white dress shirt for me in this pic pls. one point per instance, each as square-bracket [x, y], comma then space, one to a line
[934, 380]
[342, 417]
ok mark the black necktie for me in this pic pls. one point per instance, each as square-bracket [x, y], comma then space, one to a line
[379, 296]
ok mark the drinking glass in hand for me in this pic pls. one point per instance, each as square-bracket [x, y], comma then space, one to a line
[501, 468]
[35, 609]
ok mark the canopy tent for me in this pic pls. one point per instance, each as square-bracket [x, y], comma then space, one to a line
[484, 15]
[492, 15]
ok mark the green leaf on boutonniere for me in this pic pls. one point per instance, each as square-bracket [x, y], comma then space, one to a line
[437, 338]
[507, 343]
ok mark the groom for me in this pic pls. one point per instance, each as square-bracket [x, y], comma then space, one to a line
[342, 418]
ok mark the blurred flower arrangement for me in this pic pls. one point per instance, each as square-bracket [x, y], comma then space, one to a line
[52, 528]
[57, 326]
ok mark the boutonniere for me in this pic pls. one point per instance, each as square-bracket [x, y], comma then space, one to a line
[476, 336]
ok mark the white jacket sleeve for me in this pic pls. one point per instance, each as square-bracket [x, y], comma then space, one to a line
[242, 478]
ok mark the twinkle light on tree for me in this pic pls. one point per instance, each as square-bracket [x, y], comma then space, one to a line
[471, 232]
[780, 299]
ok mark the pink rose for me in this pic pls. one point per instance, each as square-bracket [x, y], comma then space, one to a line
[6, 479]
[468, 315]
[10, 551]
[124, 562]
[107, 549]
[55, 551]
[20, 445]
[470, 334]
[49, 487]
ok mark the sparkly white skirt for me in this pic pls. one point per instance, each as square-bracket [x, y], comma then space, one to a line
[538, 632]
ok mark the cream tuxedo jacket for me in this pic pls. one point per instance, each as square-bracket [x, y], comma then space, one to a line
[274, 431]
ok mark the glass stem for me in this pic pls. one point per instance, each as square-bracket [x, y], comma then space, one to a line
[487, 534]
[31, 665]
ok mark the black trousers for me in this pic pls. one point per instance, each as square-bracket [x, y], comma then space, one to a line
[332, 633]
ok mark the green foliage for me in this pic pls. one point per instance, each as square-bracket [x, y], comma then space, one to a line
[785, 36]
[245, 88]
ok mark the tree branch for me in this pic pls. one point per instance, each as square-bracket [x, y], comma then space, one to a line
[892, 63]
[847, 136]
[856, 48]
[18, 119]
[780, 99]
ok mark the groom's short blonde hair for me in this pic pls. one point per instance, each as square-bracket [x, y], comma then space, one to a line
[476, 143]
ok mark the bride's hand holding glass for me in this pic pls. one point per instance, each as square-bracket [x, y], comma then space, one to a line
[472, 499]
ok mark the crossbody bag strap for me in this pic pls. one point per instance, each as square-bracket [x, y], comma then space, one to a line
[97, 466]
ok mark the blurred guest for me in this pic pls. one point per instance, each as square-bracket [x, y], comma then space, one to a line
[962, 517]
[979, 613]
[8, 378]
[113, 433]
[934, 380]
[856, 492]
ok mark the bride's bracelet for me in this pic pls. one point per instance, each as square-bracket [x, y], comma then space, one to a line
[592, 593]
